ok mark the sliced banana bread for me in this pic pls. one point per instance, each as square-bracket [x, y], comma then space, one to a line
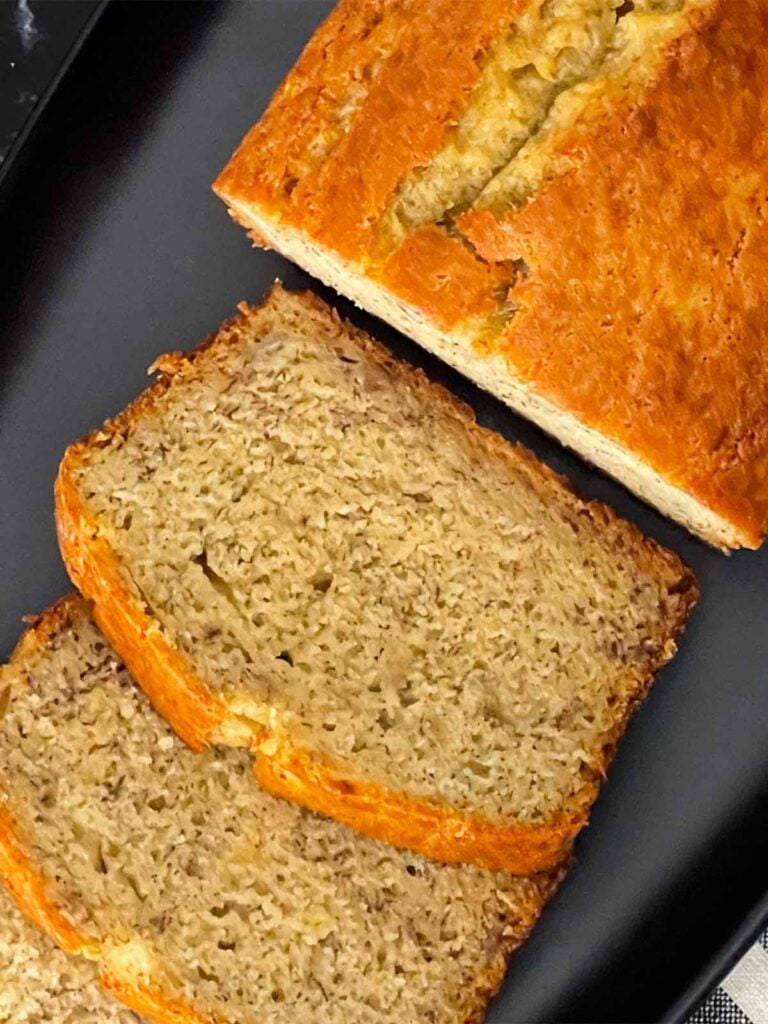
[203, 898]
[565, 199]
[41, 985]
[298, 544]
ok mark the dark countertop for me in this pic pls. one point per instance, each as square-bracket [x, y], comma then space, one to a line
[35, 38]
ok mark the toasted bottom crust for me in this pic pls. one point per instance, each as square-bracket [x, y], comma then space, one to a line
[149, 1001]
[200, 719]
[436, 832]
[27, 888]
[494, 375]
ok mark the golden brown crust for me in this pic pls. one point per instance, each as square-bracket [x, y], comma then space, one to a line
[431, 829]
[438, 274]
[438, 50]
[677, 371]
[174, 691]
[642, 312]
[28, 887]
[151, 1002]
[335, 56]
[199, 717]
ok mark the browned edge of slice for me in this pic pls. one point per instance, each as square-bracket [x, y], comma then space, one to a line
[151, 1002]
[201, 718]
[34, 894]
[487, 984]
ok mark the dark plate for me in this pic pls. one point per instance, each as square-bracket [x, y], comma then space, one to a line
[37, 58]
[115, 249]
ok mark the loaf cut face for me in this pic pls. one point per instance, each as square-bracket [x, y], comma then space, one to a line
[41, 985]
[202, 897]
[565, 200]
[299, 545]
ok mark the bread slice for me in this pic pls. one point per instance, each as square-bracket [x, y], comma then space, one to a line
[204, 899]
[299, 545]
[41, 985]
[564, 200]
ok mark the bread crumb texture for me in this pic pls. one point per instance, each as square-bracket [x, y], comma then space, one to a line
[356, 568]
[573, 191]
[41, 985]
[224, 901]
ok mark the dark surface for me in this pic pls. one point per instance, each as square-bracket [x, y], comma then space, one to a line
[35, 40]
[120, 251]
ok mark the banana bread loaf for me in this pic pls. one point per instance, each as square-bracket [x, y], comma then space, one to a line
[566, 200]
[299, 545]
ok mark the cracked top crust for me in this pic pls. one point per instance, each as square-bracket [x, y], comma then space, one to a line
[571, 191]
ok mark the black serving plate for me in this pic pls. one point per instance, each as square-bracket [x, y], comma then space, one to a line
[114, 249]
